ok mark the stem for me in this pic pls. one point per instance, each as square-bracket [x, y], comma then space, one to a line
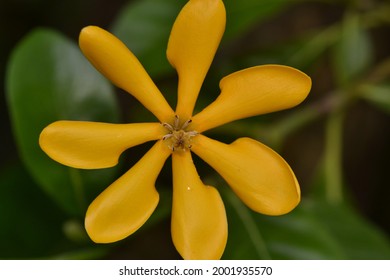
[333, 157]
[78, 187]
[280, 130]
[380, 73]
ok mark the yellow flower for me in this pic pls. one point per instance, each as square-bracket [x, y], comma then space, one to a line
[257, 174]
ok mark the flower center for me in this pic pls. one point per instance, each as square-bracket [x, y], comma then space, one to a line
[178, 138]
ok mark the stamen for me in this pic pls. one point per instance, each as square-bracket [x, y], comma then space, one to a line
[186, 124]
[168, 126]
[178, 138]
[167, 136]
[192, 133]
[177, 122]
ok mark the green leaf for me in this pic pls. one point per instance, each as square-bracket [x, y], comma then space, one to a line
[312, 46]
[314, 230]
[47, 80]
[242, 15]
[30, 222]
[378, 95]
[358, 238]
[245, 240]
[354, 51]
[297, 235]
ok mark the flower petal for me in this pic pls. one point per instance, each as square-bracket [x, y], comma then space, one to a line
[91, 145]
[254, 91]
[199, 225]
[257, 174]
[194, 39]
[115, 61]
[126, 204]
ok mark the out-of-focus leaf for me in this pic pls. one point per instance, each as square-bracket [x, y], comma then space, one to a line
[47, 80]
[30, 222]
[314, 230]
[353, 52]
[358, 238]
[297, 235]
[333, 156]
[313, 47]
[356, 235]
[97, 252]
[245, 238]
[378, 95]
[241, 15]
[144, 26]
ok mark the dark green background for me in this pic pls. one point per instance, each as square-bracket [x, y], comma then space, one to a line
[338, 137]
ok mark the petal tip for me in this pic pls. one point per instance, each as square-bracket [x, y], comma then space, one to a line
[101, 228]
[86, 33]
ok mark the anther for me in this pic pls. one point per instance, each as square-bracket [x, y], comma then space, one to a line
[177, 121]
[168, 126]
[165, 137]
[186, 124]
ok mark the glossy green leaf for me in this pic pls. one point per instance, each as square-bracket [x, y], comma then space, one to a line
[354, 52]
[314, 230]
[378, 95]
[30, 222]
[47, 80]
[358, 238]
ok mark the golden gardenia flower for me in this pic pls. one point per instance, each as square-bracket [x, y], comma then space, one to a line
[257, 174]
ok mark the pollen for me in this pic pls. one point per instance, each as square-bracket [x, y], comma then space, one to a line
[178, 137]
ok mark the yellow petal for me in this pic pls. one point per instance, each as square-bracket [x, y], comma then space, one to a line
[91, 145]
[199, 225]
[254, 91]
[194, 39]
[115, 61]
[257, 174]
[126, 204]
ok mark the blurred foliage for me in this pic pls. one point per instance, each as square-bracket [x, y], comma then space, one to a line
[42, 203]
[65, 87]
